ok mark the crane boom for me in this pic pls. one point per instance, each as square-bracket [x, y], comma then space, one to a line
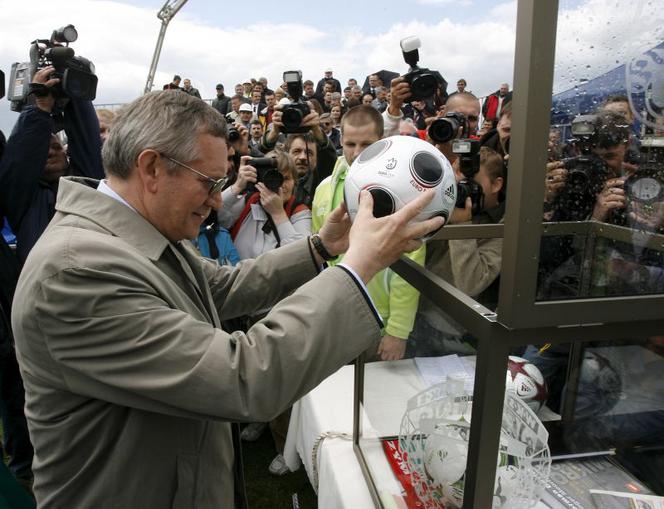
[165, 14]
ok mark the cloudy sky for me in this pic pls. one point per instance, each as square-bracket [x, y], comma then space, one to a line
[217, 41]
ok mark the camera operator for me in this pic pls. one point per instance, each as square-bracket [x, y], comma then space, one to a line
[596, 189]
[312, 151]
[34, 160]
[471, 265]
[16, 440]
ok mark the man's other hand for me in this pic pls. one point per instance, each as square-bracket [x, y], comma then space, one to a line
[42, 77]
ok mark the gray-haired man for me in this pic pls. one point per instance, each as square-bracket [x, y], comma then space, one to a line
[130, 379]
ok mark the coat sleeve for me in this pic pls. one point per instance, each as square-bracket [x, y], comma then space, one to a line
[84, 140]
[475, 263]
[298, 227]
[115, 338]
[23, 163]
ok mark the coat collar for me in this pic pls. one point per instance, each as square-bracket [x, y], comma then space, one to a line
[79, 196]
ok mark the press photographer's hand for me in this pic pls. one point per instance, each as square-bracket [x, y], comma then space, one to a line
[556, 178]
[273, 203]
[277, 125]
[245, 174]
[47, 102]
[399, 94]
[610, 198]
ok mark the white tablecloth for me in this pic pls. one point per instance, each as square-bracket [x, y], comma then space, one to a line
[329, 408]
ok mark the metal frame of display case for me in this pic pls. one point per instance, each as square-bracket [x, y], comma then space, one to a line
[520, 319]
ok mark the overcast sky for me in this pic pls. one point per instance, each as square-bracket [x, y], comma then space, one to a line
[216, 41]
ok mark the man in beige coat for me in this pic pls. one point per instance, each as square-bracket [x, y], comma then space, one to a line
[130, 380]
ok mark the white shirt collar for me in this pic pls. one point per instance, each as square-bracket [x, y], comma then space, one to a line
[104, 188]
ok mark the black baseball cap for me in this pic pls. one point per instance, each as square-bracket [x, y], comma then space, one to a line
[220, 86]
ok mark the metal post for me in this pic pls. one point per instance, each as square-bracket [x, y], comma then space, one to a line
[155, 57]
[486, 420]
[531, 105]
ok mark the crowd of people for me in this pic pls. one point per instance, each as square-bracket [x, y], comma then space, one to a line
[128, 337]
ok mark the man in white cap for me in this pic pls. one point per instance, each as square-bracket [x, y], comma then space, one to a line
[245, 115]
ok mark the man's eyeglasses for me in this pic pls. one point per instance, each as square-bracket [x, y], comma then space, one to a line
[215, 185]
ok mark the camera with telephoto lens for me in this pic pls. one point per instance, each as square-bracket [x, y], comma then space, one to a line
[447, 128]
[587, 166]
[292, 114]
[423, 82]
[76, 73]
[267, 173]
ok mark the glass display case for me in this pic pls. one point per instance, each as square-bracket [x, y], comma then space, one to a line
[549, 319]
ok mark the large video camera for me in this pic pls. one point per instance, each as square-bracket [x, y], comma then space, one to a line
[292, 114]
[587, 166]
[423, 82]
[76, 73]
[267, 173]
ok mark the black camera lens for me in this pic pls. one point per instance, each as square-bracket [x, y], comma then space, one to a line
[423, 86]
[291, 117]
[443, 130]
[272, 179]
[233, 134]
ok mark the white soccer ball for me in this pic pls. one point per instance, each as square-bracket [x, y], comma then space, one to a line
[396, 170]
[445, 457]
[526, 381]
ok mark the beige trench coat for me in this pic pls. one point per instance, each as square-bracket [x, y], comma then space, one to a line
[129, 378]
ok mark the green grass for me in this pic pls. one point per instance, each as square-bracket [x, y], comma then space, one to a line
[267, 491]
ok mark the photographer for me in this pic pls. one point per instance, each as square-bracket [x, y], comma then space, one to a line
[471, 265]
[312, 151]
[590, 186]
[34, 160]
[264, 219]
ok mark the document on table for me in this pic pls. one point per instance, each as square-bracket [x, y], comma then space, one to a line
[435, 370]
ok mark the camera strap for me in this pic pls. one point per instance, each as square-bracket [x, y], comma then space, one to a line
[39, 90]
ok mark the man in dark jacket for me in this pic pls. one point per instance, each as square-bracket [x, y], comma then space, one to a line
[221, 103]
[34, 161]
[30, 166]
[322, 81]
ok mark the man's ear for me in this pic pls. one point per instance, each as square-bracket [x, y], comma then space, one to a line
[497, 184]
[150, 168]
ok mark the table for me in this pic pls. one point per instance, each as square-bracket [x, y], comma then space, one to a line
[328, 409]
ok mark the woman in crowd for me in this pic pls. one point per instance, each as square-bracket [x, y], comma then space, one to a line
[335, 115]
[262, 219]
